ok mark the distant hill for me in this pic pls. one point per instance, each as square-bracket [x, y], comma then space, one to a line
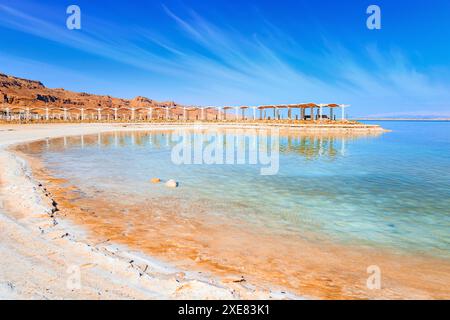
[18, 92]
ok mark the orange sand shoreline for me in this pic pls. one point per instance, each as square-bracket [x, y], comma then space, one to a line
[347, 126]
[38, 251]
[322, 273]
[319, 270]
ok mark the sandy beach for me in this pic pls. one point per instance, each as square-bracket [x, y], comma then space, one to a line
[43, 251]
[39, 253]
[38, 258]
[245, 151]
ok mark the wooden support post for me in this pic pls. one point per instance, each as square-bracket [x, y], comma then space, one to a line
[218, 113]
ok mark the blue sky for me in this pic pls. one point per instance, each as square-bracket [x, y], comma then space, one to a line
[238, 52]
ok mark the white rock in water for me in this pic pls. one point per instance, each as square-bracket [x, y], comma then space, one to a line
[171, 183]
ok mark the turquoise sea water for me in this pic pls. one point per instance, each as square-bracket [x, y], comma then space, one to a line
[391, 190]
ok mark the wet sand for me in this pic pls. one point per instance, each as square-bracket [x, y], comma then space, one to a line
[41, 252]
[242, 253]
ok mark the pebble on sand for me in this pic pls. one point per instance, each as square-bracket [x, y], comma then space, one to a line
[171, 183]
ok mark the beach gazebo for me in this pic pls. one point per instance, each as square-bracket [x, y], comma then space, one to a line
[164, 111]
[205, 112]
[225, 111]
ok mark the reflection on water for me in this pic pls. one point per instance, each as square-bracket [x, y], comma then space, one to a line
[309, 145]
[350, 188]
[387, 197]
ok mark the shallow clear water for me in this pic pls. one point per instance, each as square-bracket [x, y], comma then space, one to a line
[391, 190]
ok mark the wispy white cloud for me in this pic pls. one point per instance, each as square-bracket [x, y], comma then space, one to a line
[102, 41]
[212, 63]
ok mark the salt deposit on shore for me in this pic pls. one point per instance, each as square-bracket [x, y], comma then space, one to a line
[44, 257]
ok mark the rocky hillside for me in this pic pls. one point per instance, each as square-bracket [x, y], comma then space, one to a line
[18, 92]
